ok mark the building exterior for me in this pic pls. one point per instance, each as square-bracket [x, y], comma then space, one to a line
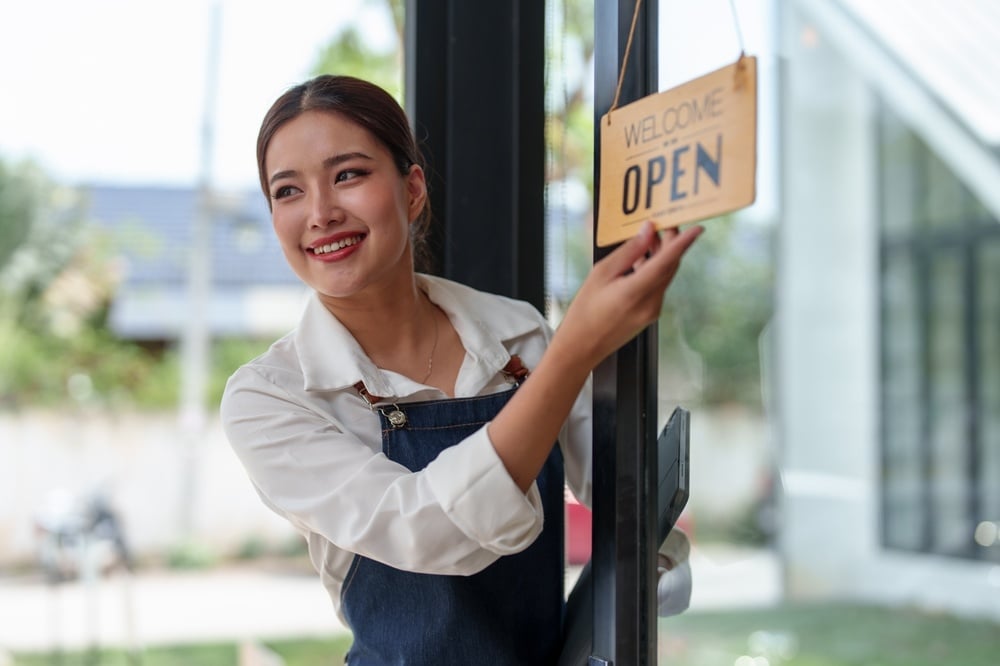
[252, 291]
[887, 334]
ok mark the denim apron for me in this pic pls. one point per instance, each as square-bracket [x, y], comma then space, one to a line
[509, 614]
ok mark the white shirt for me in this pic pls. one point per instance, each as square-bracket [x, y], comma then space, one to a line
[312, 447]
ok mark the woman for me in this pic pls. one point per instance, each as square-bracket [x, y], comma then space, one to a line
[394, 427]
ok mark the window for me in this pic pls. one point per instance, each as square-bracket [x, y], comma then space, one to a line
[940, 355]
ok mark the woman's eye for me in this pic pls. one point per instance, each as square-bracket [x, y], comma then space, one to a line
[284, 191]
[350, 174]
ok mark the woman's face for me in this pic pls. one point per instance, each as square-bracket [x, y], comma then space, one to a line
[341, 209]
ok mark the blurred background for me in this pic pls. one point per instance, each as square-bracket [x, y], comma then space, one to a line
[837, 343]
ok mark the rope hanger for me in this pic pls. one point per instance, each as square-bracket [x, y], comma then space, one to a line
[631, 34]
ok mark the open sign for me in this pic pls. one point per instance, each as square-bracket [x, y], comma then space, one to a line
[682, 155]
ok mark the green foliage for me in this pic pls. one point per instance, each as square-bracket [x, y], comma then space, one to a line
[719, 304]
[570, 113]
[93, 368]
[191, 555]
[349, 53]
[251, 548]
[19, 191]
[40, 228]
[228, 355]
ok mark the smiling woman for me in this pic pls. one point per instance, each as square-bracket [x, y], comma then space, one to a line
[334, 191]
[368, 107]
[396, 427]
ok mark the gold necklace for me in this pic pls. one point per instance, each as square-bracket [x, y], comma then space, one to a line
[430, 361]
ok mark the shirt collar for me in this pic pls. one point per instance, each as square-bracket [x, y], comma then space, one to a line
[331, 359]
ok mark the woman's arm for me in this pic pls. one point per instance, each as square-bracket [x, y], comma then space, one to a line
[622, 295]
[311, 469]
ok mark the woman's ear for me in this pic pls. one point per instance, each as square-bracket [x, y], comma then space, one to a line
[416, 189]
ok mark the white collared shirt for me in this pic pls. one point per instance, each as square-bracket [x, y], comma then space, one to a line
[313, 450]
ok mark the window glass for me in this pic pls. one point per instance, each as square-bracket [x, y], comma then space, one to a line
[899, 150]
[940, 440]
[948, 408]
[902, 462]
[943, 201]
[988, 482]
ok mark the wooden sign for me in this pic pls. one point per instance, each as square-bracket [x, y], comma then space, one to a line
[682, 155]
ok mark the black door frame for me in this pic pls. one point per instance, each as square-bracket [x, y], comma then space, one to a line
[475, 93]
[625, 397]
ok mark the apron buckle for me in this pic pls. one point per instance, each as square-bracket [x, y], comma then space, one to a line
[396, 417]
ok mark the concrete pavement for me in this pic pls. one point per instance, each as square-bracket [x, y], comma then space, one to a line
[163, 607]
[265, 602]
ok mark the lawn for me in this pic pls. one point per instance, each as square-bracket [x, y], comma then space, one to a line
[295, 653]
[789, 635]
[827, 635]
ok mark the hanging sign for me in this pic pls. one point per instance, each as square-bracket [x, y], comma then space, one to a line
[685, 154]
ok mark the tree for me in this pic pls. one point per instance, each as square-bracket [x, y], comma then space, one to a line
[718, 306]
[349, 53]
[40, 228]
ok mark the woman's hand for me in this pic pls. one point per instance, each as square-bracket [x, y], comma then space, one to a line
[623, 293]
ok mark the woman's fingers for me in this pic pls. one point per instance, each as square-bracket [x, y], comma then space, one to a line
[624, 292]
[674, 243]
[659, 264]
[654, 274]
[625, 256]
[667, 246]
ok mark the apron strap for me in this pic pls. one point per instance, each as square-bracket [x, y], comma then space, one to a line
[514, 369]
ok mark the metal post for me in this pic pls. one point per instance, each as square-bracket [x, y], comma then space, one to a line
[624, 548]
[196, 334]
[475, 91]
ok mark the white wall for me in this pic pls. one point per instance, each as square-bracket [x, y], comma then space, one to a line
[827, 346]
[139, 459]
[826, 317]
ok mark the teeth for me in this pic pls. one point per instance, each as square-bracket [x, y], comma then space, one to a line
[339, 245]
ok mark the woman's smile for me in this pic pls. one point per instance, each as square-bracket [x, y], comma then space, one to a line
[340, 205]
[335, 248]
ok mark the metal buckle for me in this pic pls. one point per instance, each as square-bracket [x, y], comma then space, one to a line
[395, 416]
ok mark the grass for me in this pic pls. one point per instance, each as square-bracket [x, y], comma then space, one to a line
[788, 635]
[827, 635]
[311, 652]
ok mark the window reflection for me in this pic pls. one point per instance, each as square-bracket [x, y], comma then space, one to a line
[940, 354]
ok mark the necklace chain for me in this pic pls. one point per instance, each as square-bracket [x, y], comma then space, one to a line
[430, 361]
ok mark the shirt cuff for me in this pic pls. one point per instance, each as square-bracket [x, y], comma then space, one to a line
[673, 590]
[676, 547]
[476, 492]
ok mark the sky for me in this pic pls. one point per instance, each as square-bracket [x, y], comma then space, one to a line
[115, 90]
[101, 91]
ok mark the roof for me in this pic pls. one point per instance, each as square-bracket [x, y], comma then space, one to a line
[950, 47]
[152, 227]
[935, 64]
[254, 292]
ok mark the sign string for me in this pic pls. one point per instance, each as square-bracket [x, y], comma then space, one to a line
[631, 34]
[628, 49]
[736, 24]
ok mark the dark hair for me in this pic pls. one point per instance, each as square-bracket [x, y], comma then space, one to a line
[363, 103]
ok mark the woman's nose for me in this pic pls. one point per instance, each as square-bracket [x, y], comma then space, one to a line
[324, 210]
